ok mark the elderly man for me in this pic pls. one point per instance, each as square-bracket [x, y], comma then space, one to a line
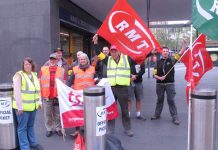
[47, 77]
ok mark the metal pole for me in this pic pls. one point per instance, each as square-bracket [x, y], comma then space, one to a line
[189, 98]
[148, 24]
[8, 136]
[95, 118]
[203, 119]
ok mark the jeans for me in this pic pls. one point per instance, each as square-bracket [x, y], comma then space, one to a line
[25, 129]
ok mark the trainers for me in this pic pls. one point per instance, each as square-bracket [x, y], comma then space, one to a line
[129, 133]
[48, 133]
[59, 133]
[176, 121]
[36, 147]
[155, 117]
[141, 118]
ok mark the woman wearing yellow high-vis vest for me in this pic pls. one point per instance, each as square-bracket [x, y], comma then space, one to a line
[118, 74]
[25, 102]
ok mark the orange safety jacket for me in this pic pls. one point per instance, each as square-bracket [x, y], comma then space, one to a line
[83, 79]
[45, 80]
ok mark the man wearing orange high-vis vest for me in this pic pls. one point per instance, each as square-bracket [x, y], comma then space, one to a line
[48, 74]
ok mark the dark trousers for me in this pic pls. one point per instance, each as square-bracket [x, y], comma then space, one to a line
[169, 88]
[121, 94]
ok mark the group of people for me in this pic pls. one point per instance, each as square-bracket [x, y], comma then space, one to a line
[124, 75]
[125, 78]
[32, 91]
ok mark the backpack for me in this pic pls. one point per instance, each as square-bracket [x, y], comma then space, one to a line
[113, 143]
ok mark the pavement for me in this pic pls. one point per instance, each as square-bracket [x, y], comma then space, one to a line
[159, 134]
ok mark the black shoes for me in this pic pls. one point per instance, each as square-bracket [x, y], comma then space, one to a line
[141, 118]
[176, 121]
[155, 117]
[48, 133]
[59, 133]
[36, 147]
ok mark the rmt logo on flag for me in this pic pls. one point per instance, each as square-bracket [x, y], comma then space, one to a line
[131, 32]
[125, 29]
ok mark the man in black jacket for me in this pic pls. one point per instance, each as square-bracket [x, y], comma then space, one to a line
[165, 83]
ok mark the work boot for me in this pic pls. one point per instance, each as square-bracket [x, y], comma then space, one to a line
[129, 133]
[59, 133]
[155, 117]
[110, 132]
[36, 147]
[48, 133]
[176, 121]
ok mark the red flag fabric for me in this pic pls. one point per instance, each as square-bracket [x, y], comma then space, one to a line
[79, 143]
[125, 29]
[197, 62]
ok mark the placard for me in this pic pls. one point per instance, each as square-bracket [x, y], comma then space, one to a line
[101, 121]
[6, 114]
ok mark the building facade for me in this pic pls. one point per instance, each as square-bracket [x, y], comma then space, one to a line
[34, 28]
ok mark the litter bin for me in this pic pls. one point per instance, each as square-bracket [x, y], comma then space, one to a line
[8, 136]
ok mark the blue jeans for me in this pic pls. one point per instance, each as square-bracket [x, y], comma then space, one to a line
[25, 129]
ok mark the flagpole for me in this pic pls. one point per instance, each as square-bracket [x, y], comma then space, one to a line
[175, 63]
[189, 99]
[148, 24]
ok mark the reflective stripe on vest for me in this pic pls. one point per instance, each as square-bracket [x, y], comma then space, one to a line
[29, 92]
[45, 80]
[83, 79]
[118, 74]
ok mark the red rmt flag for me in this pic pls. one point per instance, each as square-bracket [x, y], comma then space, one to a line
[125, 29]
[197, 62]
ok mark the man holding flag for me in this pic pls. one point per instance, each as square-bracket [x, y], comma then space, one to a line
[164, 73]
[118, 74]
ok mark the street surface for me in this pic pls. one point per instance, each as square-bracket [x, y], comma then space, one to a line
[149, 135]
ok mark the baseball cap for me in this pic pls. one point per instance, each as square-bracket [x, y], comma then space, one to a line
[113, 47]
[53, 55]
[58, 49]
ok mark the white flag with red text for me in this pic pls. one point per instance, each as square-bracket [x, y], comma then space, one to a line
[71, 104]
[127, 31]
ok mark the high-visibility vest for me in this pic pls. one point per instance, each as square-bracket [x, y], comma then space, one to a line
[118, 74]
[29, 92]
[83, 79]
[45, 80]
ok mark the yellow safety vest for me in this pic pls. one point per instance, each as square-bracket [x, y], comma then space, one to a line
[118, 74]
[29, 92]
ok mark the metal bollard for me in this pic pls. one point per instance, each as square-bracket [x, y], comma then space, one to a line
[8, 136]
[95, 118]
[203, 119]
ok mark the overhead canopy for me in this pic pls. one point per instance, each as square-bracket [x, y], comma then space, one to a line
[160, 10]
